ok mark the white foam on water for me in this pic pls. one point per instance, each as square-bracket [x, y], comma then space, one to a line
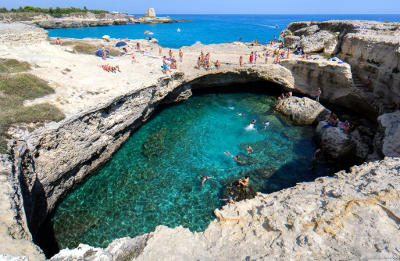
[250, 127]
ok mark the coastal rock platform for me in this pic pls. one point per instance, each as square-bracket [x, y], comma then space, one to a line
[352, 215]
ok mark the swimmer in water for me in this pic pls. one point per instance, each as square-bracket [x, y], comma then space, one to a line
[229, 200]
[204, 179]
[266, 124]
[253, 121]
[249, 149]
[236, 158]
[240, 114]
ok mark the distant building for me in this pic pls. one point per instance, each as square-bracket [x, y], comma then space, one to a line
[150, 13]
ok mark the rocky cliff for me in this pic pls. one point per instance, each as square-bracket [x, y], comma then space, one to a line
[328, 218]
[352, 215]
[371, 48]
[84, 20]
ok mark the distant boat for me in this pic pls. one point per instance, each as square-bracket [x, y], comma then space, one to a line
[178, 30]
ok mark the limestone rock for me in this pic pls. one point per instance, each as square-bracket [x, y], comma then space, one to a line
[150, 12]
[291, 41]
[317, 42]
[306, 31]
[338, 145]
[285, 33]
[302, 110]
[83, 252]
[239, 192]
[349, 216]
[390, 122]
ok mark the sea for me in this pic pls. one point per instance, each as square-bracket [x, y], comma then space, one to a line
[211, 29]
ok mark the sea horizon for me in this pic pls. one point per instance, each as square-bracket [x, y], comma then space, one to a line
[212, 28]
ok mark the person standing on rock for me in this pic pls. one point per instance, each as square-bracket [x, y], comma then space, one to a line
[251, 57]
[180, 55]
[241, 61]
[319, 92]
[159, 50]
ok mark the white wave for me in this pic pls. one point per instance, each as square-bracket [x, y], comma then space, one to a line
[231, 107]
[250, 127]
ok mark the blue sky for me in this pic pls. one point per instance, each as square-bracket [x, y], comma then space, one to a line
[225, 6]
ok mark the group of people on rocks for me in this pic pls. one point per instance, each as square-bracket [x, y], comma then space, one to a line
[203, 61]
[170, 62]
[344, 126]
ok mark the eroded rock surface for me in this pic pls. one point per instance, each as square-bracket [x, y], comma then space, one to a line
[371, 48]
[390, 122]
[302, 110]
[352, 215]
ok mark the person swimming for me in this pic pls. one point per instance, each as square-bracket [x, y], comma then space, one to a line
[249, 149]
[266, 124]
[254, 121]
[240, 114]
[236, 158]
[204, 179]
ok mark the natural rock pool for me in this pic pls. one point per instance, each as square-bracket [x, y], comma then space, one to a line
[154, 178]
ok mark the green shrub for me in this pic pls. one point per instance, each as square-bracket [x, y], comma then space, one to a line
[13, 91]
[24, 86]
[13, 66]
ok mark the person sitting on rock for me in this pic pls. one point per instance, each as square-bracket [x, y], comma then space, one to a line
[229, 200]
[58, 41]
[244, 181]
[173, 65]
[204, 179]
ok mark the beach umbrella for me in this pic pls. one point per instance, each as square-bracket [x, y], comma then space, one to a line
[119, 44]
[106, 36]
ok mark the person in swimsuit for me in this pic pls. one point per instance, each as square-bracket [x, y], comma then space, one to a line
[244, 181]
[229, 200]
[241, 60]
[204, 179]
[253, 121]
[236, 158]
[180, 55]
[240, 114]
[319, 92]
[266, 124]
[249, 149]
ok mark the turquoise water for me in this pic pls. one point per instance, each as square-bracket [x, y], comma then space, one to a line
[209, 29]
[154, 178]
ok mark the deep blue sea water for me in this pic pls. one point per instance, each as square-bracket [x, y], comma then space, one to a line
[209, 29]
[154, 178]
